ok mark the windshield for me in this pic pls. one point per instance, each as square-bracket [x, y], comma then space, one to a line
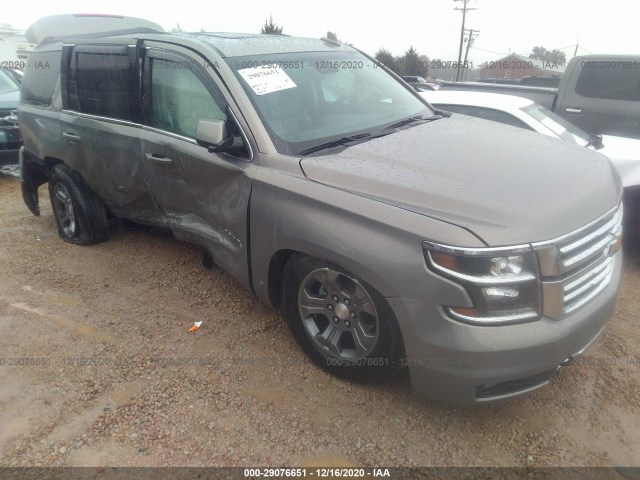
[557, 125]
[308, 99]
[7, 84]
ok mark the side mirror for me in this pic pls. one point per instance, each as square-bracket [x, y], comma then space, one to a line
[213, 135]
[596, 142]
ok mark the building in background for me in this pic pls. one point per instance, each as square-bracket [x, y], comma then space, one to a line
[516, 66]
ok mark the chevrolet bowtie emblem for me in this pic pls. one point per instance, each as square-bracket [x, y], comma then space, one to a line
[615, 246]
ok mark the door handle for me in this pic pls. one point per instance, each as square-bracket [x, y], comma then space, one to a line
[157, 158]
[72, 137]
[573, 110]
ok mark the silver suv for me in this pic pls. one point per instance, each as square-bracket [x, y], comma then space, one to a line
[480, 256]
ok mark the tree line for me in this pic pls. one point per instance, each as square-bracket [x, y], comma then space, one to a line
[411, 62]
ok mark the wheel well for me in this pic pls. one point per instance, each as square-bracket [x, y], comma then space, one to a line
[276, 270]
[50, 162]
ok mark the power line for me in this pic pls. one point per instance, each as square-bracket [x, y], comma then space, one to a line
[464, 10]
[491, 51]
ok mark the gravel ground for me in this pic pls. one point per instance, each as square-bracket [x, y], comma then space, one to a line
[124, 383]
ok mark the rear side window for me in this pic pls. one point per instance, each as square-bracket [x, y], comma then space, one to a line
[105, 83]
[610, 80]
[40, 77]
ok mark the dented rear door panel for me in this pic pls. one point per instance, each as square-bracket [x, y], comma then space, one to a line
[103, 137]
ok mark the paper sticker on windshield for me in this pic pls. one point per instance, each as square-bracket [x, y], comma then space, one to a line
[264, 80]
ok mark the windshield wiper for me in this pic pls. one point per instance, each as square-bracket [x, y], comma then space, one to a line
[344, 141]
[414, 119]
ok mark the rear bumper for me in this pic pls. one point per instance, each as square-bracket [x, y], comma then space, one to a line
[456, 363]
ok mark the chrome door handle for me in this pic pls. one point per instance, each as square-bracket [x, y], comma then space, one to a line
[573, 110]
[72, 137]
[157, 158]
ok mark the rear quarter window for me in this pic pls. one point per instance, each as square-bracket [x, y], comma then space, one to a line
[610, 80]
[40, 77]
[105, 84]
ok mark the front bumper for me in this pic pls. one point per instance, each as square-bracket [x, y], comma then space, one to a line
[9, 157]
[457, 363]
[10, 142]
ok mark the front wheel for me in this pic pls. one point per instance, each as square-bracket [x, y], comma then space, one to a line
[342, 323]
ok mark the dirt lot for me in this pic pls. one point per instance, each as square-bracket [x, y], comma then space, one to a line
[122, 382]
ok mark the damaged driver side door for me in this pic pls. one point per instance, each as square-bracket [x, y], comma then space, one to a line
[204, 195]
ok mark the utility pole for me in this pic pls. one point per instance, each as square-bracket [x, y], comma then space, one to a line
[472, 36]
[464, 17]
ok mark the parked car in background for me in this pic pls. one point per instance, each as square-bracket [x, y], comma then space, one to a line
[15, 73]
[420, 84]
[524, 113]
[547, 81]
[414, 79]
[10, 141]
[501, 81]
[390, 235]
[597, 93]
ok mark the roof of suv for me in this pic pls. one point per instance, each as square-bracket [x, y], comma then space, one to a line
[88, 27]
[241, 44]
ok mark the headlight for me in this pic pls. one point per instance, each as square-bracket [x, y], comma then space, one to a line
[502, 282]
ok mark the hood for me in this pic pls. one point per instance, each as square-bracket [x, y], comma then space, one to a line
[505, 184]
[9, 100]
[624, 153]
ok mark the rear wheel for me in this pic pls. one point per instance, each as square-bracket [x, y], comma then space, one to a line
[80, 214]
[342, 323]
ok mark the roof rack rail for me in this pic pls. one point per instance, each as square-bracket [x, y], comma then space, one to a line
[58, 27]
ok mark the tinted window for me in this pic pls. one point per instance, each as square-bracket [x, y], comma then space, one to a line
[179, 98]
[40, 77]
[106, 85]
[610, 80]
[486, 113]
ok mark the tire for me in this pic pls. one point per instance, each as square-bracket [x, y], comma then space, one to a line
[80, 215]
[342, 323]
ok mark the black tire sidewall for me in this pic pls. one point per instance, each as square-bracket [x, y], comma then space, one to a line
[90, 214]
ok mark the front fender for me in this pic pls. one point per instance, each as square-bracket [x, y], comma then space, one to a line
[379, 243]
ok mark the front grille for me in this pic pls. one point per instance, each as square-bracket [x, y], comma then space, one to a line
[579, 292]
[592, 247]
[580, 265]
[592, 243]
